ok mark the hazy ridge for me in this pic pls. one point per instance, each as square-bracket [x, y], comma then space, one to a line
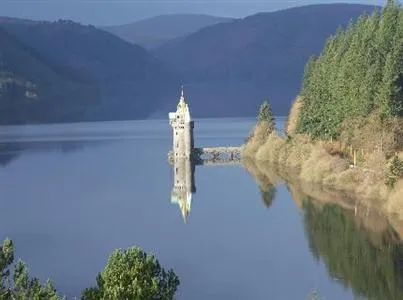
[153, 32]
[228, 68]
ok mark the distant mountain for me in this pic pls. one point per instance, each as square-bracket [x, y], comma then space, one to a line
[130, 80]
[33, 90]
[230, 68]
[10, 20]
[155, 31]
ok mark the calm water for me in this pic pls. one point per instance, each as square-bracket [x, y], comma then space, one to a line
[71, 194]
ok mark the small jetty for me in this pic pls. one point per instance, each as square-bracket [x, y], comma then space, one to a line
[213, 156]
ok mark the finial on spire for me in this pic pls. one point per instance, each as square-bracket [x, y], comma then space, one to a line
[182, 91]
[184, 216]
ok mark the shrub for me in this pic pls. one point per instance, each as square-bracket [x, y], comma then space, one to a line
[132, 274]
[15, 283]
[266, 115]
[395, 171]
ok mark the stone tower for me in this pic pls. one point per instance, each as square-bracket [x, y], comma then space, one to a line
[182, 126]
[182, 150]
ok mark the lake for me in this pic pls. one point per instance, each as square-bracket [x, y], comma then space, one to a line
[72, 193]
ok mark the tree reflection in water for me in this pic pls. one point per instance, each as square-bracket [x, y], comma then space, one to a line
[268, 194]
[8, 152]
[356, 242]
[371, 266]
[266, 181]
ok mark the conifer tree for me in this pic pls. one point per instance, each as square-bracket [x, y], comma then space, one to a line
[266, 115]
[133, 274]
[359, 72]
[15, 282]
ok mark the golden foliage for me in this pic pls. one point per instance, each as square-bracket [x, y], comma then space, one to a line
[374, 134]
[258, 137]
[329, 163]
[394, 205]
[291, 123]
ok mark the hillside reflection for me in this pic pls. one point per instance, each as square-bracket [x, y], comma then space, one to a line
[368, 262]
[10, 151]
[356, 242]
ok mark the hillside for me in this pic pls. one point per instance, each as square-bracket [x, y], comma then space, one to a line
[153, 32]
[344, 132]
[32, 90]
[230, 68]
[131, 81]
[353, 90]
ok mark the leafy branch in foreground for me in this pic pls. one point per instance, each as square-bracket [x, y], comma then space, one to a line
[15, 282]
[133, 274]
[129, 274]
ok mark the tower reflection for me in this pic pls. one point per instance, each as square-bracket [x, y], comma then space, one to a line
[184, 184]
[184, 156]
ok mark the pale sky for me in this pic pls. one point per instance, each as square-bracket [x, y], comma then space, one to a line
[113, 12]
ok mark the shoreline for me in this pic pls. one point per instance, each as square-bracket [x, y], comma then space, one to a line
[313, 163]
[367, 212]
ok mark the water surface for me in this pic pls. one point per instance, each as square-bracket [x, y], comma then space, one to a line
[73, 193]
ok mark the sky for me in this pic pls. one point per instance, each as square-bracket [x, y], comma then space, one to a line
[116, 12]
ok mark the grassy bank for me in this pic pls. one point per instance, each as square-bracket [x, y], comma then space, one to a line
[325, 163]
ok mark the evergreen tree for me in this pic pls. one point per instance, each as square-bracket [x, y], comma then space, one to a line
[15, 283]
[359, 72]
[268, 195]
[266, 115]
[395, 171]
[133, 274]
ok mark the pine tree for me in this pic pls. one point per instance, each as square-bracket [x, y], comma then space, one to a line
[359, 72]
[266, 115]
[15, 282]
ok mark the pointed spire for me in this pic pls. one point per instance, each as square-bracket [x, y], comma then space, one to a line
[182, 103]
[185, 206]
[182, 99]
[185, 216]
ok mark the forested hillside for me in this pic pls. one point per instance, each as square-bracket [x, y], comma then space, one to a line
[345, 130]
[154, 32]
[230, 68]
[33, 90]
[130, 80]
[353, 89]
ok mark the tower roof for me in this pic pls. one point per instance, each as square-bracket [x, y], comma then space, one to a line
[182, 102]
[184, 202]
[183, 107]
